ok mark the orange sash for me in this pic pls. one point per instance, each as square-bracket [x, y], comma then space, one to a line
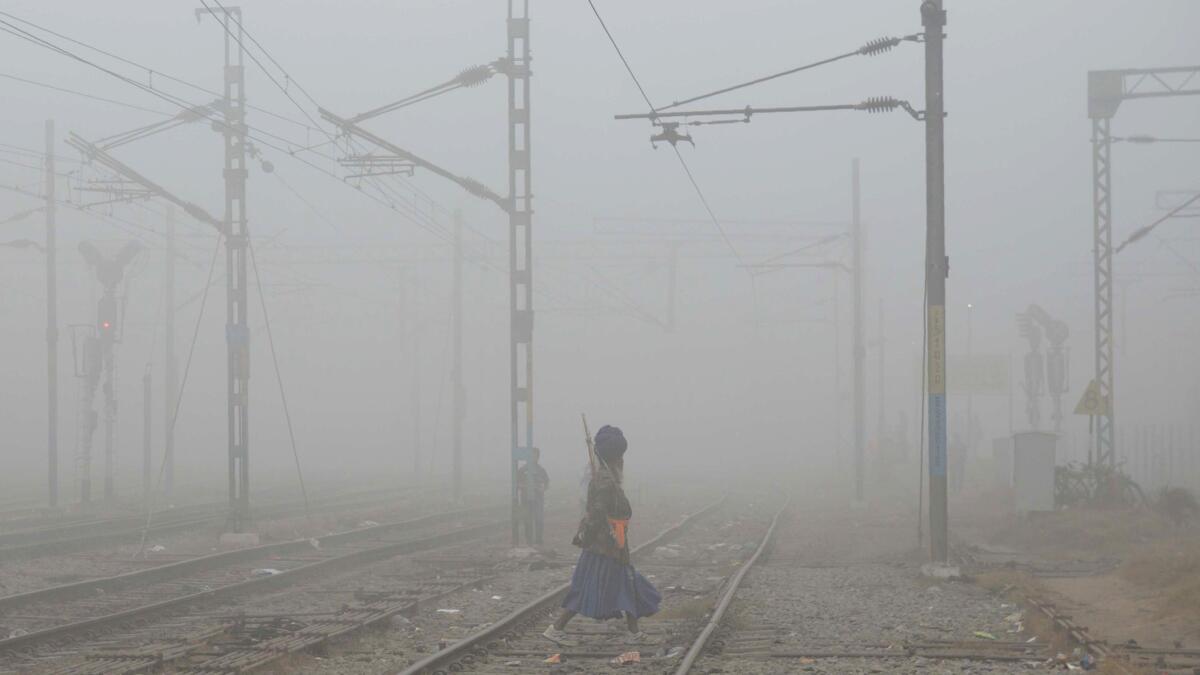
[618, 527]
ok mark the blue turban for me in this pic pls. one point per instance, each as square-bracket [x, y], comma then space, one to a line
[610, 443]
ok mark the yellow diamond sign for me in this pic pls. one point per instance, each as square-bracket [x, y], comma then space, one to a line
[1092, 402]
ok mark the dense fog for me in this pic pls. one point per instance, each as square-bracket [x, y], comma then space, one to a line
[648, 313]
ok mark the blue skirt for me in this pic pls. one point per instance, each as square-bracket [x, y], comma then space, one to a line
[604, 588]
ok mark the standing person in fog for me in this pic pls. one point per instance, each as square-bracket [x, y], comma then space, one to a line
[532, 482]
[604, 585]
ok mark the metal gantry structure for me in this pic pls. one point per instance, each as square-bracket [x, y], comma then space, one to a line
[1107, 90]
[237, 239]
[518, 205]
[520, 243]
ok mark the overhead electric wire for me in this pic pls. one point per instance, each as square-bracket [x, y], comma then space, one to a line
[39, 154]
[149, 70]
[414, 215]
[1175, 252]
[704, 200]
[258, 63]
[286, 74]
[686, 169]
[628, 68]
[469, 77]
[287, 414]
[870, 49]
[34, 168]
[387, 200]
[187, 369]
[81, 93]
[1145, 230]
[459, 81]
[116, 222]
[324, 218]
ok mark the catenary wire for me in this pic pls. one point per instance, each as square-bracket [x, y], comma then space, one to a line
[686, 169]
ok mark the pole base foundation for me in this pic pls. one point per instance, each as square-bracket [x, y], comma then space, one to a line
[935, 570]
[238, 539]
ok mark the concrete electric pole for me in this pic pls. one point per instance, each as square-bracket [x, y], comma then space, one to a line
[937, 269]
[860, 349]
[881, 378]
[51, 324]
[456, 372]
[170, 367]
[147, 458]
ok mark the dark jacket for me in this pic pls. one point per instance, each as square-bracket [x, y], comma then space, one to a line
[532, 481]
[605, 499]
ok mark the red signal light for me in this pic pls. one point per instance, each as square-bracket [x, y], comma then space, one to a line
[105, 325]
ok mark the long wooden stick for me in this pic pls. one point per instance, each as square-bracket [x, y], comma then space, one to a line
[591, 448]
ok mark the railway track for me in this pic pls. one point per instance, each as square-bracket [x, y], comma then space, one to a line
[309, 617]
[39, 623]
[82, 534]
[686, 572]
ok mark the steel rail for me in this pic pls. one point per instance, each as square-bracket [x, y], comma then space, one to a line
[43, 541]
[476, 641]
[173, 569]
[731, 588]
[285, 577]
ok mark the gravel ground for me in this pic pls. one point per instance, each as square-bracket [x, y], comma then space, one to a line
[687, 570]
[517, 582]
[510, 581]
[838, 584]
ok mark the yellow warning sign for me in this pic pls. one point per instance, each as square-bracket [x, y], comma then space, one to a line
[1092, 402]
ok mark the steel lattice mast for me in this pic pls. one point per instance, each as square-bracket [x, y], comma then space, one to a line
[237, 327]
[1107, 89]
[518, 204]
[520, 247]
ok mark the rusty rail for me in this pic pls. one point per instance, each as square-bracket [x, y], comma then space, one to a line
[731, 587]
[357, 556]
[477, 642]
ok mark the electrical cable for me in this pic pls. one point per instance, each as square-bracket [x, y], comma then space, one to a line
[169, 98]
[704, 201]
[1145, 230]
[287, 415]
[625, 61]
[116, 222]
[258, 63]
[187, 369]
[1181, 257]
[687, 170]
[287, 76]
[33, 154]
[307, 203]
[80, 93]
[870, 49]
[34, 168]
[467, 78]
[149, 70]
[430, 226]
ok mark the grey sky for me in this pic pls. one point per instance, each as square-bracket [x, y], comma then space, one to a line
[1019, 212]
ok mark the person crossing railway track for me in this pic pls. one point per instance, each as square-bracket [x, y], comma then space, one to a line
[605, 584]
